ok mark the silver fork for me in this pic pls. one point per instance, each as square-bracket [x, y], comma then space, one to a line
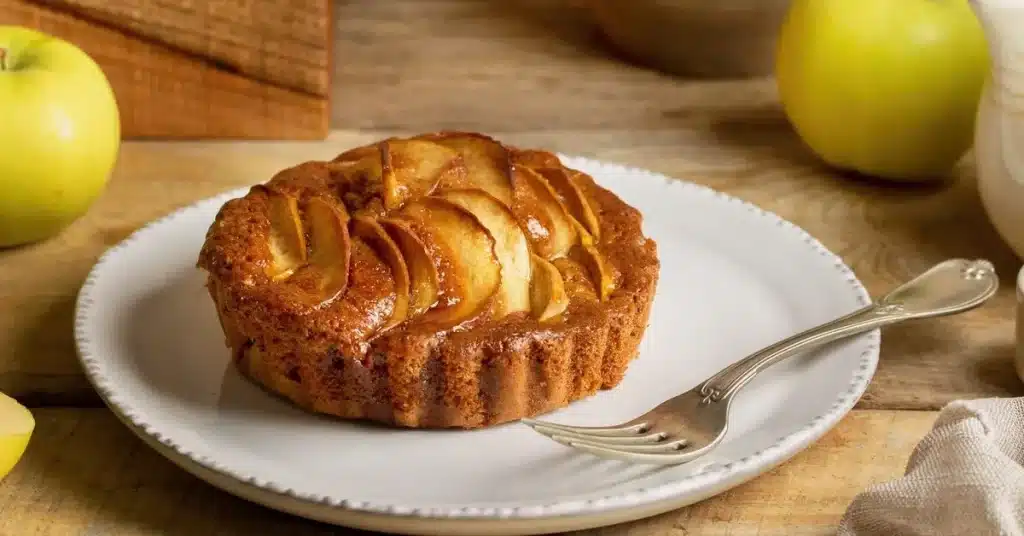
[690, 425]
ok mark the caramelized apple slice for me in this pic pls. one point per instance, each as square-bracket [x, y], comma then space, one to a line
[576, 280]
[548, 298]
[330, 250]
[572, 197]
[360, 153]
[510, 247]
[547, 223]
[563, 182]
[357, 176]
[488, 164]
[424, 284]
[287, 240]
[463, 252]
[601, 272]
[373, 234]
[412, 169]
[361, 168]
[535, 159]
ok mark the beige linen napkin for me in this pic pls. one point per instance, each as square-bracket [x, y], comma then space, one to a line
[965, 478]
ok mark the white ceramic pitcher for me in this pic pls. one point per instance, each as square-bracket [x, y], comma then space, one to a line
[999, 135]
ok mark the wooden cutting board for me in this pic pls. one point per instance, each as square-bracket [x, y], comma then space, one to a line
[201, 68]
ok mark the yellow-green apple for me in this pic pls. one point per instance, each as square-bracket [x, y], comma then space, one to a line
[59, 134]
[882, 87]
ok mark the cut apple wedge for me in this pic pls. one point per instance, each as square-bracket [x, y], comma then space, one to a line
[412, 169]
[573, 198]
[464, 256]
[488, 163]
[373, 234]
[16, 427]
[287, 241]
[510, 247]
[601, 272]
[424, 285]
[330, 250]
[547, 223]
[548, 298]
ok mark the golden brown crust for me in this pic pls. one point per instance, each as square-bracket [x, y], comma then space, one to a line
[326, 358]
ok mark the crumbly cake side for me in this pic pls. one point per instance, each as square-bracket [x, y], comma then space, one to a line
[497, 370]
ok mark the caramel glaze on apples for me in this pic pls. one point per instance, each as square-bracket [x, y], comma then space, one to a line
[306, 334]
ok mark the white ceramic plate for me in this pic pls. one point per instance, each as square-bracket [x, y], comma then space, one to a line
[733, 279]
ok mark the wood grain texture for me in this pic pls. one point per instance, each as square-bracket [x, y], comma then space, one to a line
[886, 233]
[86, 474]
[283, 43]
[503, 65]
[169, 94]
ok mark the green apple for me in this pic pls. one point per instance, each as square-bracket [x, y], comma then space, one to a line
[883, 87]
[59, 134]
[16, 427]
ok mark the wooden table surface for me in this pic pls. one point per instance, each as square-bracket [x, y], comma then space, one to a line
[531, 73]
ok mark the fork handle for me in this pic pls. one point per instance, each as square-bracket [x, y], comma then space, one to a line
[950, 287]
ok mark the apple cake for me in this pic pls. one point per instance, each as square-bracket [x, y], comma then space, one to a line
[442, 280]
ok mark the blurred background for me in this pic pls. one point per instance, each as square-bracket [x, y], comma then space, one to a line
[293, 68]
